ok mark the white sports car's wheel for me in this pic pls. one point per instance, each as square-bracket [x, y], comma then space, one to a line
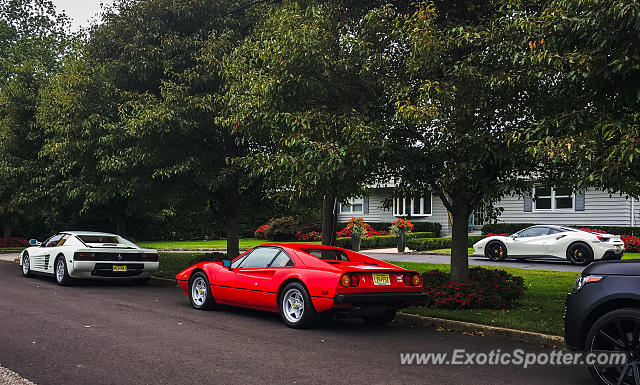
[61, 273]
[26, 265]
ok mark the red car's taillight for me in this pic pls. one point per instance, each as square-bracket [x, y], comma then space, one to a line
[411, 279]
[350, 280]
[84, 256]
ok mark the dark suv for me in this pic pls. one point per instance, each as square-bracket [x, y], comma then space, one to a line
[603, 315]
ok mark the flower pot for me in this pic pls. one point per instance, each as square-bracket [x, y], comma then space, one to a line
[401, 241]
[355, 243]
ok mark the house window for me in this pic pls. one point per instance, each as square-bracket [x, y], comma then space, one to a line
[413, 207]
[352, 205]
[550, 199]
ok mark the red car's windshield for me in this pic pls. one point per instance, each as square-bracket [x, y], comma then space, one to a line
[328, 255]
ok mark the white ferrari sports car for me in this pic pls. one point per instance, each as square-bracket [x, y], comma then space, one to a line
[542, 241]
[83, 254]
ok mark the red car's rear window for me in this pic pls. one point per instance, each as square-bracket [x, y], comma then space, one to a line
[327, 254]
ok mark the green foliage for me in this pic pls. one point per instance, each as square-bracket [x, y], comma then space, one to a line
[282, 229]
[502, 228]
[584, 55]
[297, 95]
[426, 244]
[380, 241]
[32, 38]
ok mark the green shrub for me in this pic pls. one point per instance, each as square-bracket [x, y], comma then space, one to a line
[380, 241]
[485, 289]
[502, 228]
[425, 244]
[281, 229]
[422, 234]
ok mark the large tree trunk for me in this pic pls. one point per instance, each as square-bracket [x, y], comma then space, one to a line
[7, 227]
[459, 241]
[121, 225]
[329, 221]
[231, 220]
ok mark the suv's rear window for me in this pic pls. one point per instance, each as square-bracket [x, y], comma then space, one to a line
[328, 255]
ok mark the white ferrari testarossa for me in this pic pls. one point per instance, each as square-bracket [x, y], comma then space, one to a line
[83, 254]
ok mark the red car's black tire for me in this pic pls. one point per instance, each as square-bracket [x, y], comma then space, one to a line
[200, 294]
[292, 317]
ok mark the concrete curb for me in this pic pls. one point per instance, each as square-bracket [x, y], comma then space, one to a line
[156, 281]
[483, 330]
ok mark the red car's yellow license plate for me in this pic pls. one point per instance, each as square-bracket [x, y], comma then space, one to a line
[381, 280]
[119, 268]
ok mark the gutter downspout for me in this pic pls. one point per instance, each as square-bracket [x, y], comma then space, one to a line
[633, 212]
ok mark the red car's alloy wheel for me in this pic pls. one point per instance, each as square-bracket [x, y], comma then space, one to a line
[200, 292]
[296, 308]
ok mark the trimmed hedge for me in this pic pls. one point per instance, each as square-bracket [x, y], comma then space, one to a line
[418, 227]
[380, 241]
[425, 244]
[510, 228]
[502, 228]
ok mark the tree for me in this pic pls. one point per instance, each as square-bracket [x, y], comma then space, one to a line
[32, 38]
[461, 102]
[299, 101]
[584, 55]
[141, 100]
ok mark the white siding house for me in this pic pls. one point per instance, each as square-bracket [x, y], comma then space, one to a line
[542, 206]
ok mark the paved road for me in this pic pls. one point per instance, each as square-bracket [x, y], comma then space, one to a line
[546, 264]
[110, 333]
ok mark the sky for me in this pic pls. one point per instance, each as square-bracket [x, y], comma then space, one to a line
[80, 11]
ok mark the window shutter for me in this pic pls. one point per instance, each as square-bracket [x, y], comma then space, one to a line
[365, 205]
[580, 201]
[528, 203]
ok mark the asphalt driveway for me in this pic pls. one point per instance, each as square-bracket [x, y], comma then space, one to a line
[111, 333]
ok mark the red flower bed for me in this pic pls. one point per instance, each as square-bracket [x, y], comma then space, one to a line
[310, 236]
[368, 232]
[631, 243]
[260, 233]
[498, 235]
[597, 231]
[13, 242]
[485, 289]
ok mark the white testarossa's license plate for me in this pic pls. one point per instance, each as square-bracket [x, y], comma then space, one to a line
[618, 247]
[119, 268]
[381, 280]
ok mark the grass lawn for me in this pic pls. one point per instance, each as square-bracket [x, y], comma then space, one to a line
[245, 243]
[631, 256]
[173, 263]
[446, 251]
[540, 309]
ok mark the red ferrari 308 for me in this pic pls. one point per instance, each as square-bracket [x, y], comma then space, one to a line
[302, 281]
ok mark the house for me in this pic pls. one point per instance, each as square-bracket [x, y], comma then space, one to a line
[544, 205]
